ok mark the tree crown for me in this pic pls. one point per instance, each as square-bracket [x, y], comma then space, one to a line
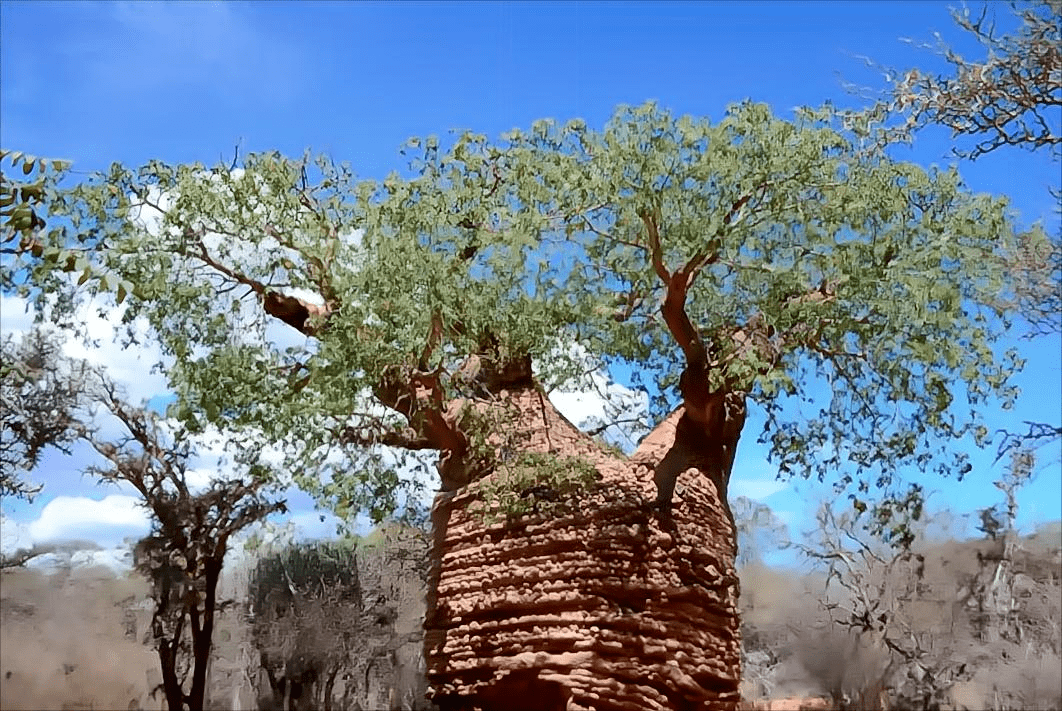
[770, 252]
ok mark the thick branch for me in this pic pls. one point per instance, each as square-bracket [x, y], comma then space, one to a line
[674, 306]
[22, 556]
[679, 283]
[418, 397]
[758, 336]
[303, 316]
[306, 318]
[678, 322]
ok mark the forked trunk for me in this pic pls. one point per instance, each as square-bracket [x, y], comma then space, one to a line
[628, 601]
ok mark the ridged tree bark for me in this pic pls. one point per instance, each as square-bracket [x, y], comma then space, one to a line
[616, 604]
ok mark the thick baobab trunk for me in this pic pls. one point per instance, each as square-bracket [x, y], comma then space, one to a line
[624, 603]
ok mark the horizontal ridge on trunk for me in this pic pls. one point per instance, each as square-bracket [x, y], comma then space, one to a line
[610, 605]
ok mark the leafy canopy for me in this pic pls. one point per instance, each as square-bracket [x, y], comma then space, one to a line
[798, 252]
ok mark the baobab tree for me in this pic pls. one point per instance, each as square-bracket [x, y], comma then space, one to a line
[749, 262]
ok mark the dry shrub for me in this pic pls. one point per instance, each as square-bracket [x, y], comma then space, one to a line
[1032, 684]
[777, 605]
[63, 642]
[775, 596]
[844, 665]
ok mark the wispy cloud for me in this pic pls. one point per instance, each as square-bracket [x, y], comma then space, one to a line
[755, 489]
[215, 49]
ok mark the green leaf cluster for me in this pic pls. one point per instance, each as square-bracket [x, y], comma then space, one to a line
[840, 264]
[24, 197]
[533, 483]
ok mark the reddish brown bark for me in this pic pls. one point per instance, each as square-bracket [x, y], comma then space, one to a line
[629, 602]
[617, 605]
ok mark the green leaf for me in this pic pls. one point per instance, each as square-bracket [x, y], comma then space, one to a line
[789, 223]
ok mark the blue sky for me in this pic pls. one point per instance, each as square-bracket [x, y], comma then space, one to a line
[99, 82]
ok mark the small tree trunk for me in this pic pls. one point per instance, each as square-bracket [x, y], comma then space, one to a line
[171, 685]
[329, 685]
[202, 637]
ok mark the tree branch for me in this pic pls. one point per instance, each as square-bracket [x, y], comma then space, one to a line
[406, 438]
[656, 255]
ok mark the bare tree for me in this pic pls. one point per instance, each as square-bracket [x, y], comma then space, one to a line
[993, 588]
[1010, 97]
[184, 554]
[40, 393]
[191, 530]
[871, 591]
[920, 617]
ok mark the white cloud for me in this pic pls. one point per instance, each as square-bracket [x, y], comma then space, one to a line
[149, 215]
[199, 479]
[211, 456]
[15, 316]
[13, 535]
[312, 525]
[106, 521]
[604, 401]
[130, 367]
[16, 536]
[593, 398]
[118, 559]
[310, 297]
[755, 489]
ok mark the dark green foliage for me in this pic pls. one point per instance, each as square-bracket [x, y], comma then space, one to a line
[305, 571]
[305, 615]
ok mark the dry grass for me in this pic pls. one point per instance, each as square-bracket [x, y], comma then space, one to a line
[63, 643]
